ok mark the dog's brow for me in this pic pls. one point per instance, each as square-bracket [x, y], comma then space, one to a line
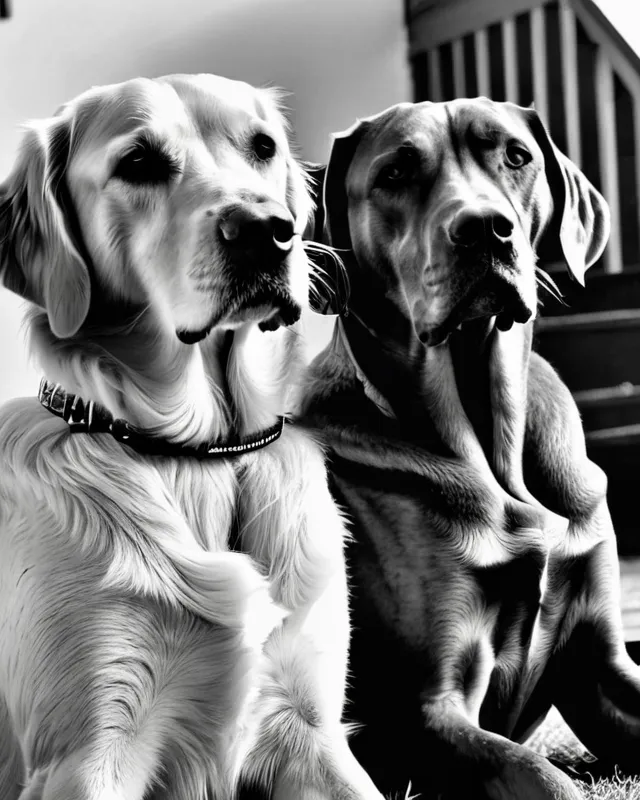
[385, 154]
[216, 117]
[453, 135]
[486, 130]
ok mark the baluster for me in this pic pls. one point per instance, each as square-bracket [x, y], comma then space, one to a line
[510, 59]
[608, 147]
[569, 61]
[482, 63]
[539, 58]
[459, 84]
[435, 76]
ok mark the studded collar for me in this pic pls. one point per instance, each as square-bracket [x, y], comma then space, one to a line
[88, 417]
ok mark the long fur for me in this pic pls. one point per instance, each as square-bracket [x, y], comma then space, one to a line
[170, 627]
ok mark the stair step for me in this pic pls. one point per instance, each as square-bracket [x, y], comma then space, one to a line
[594, 343]
[594, 349]
[603, 292]
[617, 452]
[630, 598]
[613, 319]
[619, 436]
[609, 407]
[611, 395]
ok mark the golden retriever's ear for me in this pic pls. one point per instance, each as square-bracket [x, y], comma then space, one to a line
[39, 258]
[581, 224]
[299, 200]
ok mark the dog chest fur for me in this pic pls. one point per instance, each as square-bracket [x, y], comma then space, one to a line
[197, 698]
[411, 561]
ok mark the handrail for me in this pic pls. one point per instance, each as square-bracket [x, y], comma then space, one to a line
[442, 22]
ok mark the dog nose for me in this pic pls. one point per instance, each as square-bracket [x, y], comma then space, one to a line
[257, 230]
[471, 228]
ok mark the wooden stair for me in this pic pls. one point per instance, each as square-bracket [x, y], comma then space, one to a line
[630, 593]
[594, 343]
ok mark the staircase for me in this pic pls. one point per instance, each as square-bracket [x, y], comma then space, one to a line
[594, 343]
[585, 82]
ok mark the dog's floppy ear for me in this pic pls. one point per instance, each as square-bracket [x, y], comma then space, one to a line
[39, 259]
[331, 225]
[335, 201]
[580, 225]
[299, 200]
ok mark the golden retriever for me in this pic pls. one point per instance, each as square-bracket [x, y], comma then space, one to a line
[173, 603]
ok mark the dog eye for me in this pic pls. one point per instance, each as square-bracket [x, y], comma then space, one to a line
[145, 165]
[264, 148]
[392, 173]
[399, 171]
[517, 156]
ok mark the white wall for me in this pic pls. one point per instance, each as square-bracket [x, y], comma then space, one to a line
[340, 59]
[624, 15]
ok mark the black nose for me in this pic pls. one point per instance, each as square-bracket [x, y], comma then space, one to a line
[473, 228]
[257, 231]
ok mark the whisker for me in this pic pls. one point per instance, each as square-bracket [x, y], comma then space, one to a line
[324, 249]
[321, 274]
[319, 279]
[545, 281]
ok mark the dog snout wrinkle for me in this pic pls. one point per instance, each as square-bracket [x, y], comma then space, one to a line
[472, 228]
[261, 230]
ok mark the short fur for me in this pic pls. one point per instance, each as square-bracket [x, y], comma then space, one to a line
[169, 626]
[484, 565]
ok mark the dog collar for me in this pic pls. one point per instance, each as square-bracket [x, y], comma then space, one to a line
[88, 417]
[376, 397]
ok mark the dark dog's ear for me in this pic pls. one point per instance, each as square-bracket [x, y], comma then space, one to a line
[314, 231]
[39, 258]
[331, 285]
[579, 229]
[336, 206]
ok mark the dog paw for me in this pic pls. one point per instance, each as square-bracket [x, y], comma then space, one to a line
[533, 779]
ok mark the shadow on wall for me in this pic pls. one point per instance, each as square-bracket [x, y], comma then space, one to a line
[339, 60]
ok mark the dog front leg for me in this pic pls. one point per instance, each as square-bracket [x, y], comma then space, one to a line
[600, 701]
[506, 770]
[76, 778]
[301, 749]
[302, 741]
[598, 685]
